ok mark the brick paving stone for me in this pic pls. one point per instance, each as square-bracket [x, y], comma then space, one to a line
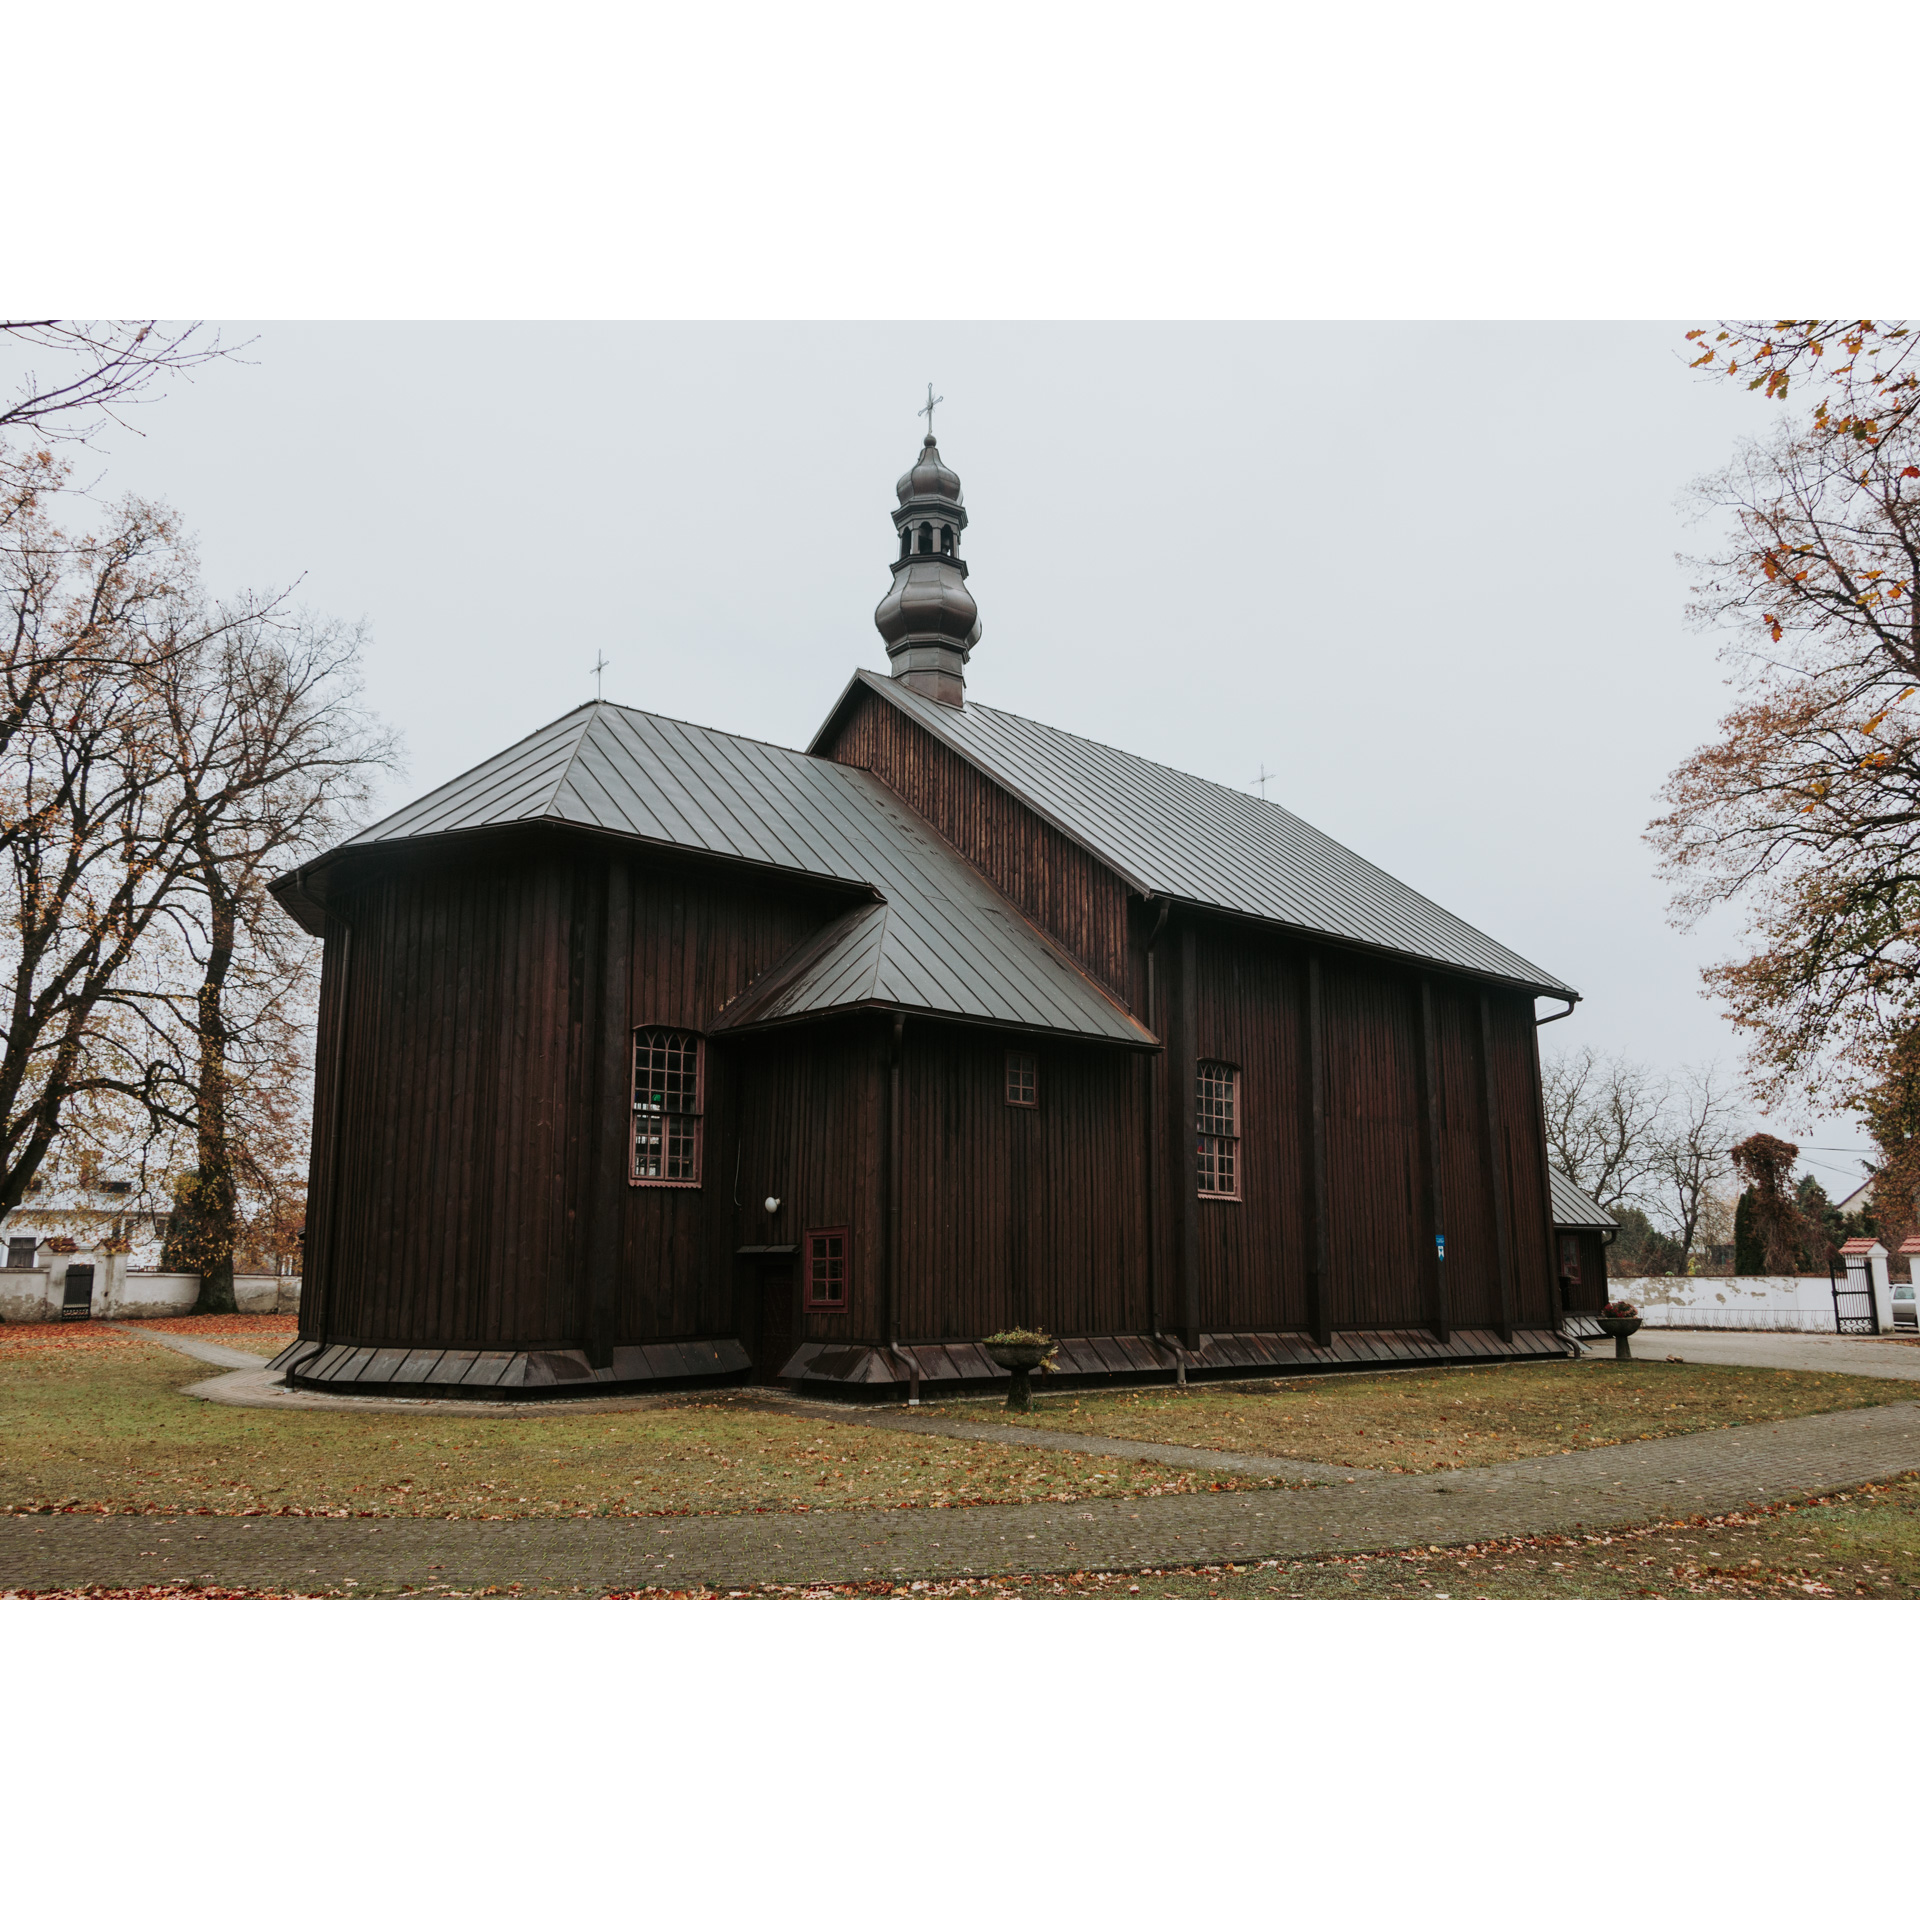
[1600, 1488]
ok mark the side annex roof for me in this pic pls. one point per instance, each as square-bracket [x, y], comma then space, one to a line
[1572, 1209]
[939, 940]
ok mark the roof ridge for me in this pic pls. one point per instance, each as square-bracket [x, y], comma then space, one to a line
[1107, 746]
[573, 759]
[724, 733]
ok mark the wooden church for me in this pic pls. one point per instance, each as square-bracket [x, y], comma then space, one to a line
[648, 1053]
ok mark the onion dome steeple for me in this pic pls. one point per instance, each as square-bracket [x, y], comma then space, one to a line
[928, 619]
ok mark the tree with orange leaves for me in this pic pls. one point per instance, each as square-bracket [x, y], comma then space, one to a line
[1805, 810]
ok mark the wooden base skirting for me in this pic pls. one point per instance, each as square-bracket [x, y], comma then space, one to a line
[470, 1373]
[949, 1364]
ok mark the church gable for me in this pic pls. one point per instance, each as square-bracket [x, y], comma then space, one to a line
[1062, 888]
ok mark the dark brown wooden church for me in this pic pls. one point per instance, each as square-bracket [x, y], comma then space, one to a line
[650, 1053]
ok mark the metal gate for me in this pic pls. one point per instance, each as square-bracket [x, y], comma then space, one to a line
[1854, 1308]
[77, 1302]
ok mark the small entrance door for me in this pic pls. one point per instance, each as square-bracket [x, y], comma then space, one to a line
[77, 1303]
[769, 1282]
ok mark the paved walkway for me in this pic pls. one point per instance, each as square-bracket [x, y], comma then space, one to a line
[210, 1351]
[1605, 1487]
[1801, 1352]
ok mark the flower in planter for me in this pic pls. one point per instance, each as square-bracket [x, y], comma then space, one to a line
[1026, 1337]
[1622, 1310]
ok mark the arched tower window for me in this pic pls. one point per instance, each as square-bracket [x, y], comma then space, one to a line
[906, 541]
[926, 536]
[1217, 1123]
[946, 540]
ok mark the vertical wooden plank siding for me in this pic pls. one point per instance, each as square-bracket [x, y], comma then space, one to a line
[1183, 1055]
[473, 1102]
[1015, 1214]
[1319, 1260]
[1057, 884]
[324, 1190]
[1441, 1319]
[809, 1127]
[1516, 1057]
[1499, 1178]
[1254, 1252]
[774, 1117]
[1370, 1095]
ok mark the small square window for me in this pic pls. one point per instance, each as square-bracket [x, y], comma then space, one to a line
[1023, 1080]
[826, 1270]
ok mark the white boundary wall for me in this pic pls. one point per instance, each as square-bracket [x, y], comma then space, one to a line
[36, 1293]
[1767, 1302]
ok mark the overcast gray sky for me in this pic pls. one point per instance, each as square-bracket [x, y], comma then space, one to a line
[1424, 574]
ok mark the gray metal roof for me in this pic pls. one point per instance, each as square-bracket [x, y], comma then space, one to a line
[1168, 832]
[1572, 1208]
[940, 941]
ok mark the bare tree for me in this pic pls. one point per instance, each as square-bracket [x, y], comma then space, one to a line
[99, 367]
[276, 755]
[1606, 1120]
[1690, 1154]
[91, 823]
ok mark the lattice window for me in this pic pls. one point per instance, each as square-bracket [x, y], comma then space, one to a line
[1023, 1080]
[667, 1101]
[1217, 1116]
[827, 1270]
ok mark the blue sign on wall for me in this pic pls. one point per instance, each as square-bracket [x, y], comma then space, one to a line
[1440, 1245]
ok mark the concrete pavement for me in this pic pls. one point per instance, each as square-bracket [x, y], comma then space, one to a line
[1878, 1359]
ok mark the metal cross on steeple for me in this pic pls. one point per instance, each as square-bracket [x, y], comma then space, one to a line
[600, 665]
[932, 402]
[1260, 780]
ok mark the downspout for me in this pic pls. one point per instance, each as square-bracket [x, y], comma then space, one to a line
[1153, 1168]
[287, 1379]
[894, 1347]
[1552, 1017]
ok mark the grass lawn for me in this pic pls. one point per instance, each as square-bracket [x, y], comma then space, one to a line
[1457, 1417]
[90, 1417]
[1863, 1545]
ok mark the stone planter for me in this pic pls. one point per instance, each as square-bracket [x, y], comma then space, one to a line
[1019, 1361]
[1620, 1329]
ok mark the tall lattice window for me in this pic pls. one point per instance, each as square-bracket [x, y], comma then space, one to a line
[827, 1273]
[1023, 1080]
[666, 1108]
[1217, 1112]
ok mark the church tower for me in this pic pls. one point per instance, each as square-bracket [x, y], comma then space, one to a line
[928, 619]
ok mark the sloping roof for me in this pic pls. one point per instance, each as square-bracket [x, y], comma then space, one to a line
[1572, 1208]
[1172, 833]
[942, 941]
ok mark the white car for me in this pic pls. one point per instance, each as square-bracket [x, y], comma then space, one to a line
[1906, 1309]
